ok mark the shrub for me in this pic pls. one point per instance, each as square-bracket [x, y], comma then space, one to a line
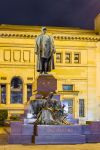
[3, 116]
[15, 117]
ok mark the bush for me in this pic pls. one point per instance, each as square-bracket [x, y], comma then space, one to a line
[3, 116]
[15, 117]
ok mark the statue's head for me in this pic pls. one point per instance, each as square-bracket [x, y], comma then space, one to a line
[44, 30]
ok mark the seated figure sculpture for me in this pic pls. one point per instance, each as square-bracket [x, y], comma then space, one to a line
[48, 111]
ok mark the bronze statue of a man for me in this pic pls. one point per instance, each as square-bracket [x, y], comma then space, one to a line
[44, 51]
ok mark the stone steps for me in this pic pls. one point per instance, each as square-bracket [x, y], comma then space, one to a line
[20, 139]
[60, 139]
[92, 138]
[59, 134]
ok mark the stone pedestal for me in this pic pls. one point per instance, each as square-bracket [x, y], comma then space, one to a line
[21, 133]
[45, 84]
[54, 134]
[92, 132]
[58, 134]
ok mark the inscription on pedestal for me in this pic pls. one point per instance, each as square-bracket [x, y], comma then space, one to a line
[61, 129]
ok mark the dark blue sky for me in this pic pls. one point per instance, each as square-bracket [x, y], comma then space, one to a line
[69, 13]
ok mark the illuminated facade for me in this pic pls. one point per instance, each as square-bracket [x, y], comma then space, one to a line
[77, 62]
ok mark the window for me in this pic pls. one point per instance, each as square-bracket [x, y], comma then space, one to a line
[3, 78]
[81, 107]
[29, 91]
[67, 87]
[58, 58]
[67, 57]
[3, 93]
[68, 103]
[76, 58]
[16, 90]
[30, 78]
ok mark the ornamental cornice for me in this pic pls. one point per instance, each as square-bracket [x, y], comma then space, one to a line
[77, 37]
[67, 37]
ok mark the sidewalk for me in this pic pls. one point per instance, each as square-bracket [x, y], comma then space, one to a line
[51, 147]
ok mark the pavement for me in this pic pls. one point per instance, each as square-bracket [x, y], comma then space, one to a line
[51, 147]
[5, 146]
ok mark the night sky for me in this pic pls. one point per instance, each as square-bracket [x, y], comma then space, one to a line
[69, 13]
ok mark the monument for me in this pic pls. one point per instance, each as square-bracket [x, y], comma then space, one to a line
[45, 113]
[48, 111]
[45, 121]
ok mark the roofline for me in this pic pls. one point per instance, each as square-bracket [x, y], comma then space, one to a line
[38, 28]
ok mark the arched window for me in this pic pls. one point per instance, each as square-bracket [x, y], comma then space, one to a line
[16, 90]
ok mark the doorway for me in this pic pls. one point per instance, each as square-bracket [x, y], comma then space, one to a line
[68, 103]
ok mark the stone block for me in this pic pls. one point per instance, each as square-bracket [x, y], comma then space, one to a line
[58, 130]
[28, 129]
[93, 128]
[19, 139]
[93, 138]
[59, 139]
[16, 127]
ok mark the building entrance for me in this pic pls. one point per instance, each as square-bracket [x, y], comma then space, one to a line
[68, 105]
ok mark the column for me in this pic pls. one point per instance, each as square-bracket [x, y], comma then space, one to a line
[8, 93]
[24, 93]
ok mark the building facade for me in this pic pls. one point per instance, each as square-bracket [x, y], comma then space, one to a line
[77, 62]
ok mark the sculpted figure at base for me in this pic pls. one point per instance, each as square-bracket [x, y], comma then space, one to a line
[44, 50]
[47, 111]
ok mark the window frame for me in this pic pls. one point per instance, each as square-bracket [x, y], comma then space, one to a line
[12, 92]
[60, 58]
[1, 93]
[79, 58]
[73, 104]
[82, 110]
[70, 60]
[68, 85]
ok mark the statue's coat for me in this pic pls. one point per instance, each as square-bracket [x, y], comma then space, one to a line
[45, 49]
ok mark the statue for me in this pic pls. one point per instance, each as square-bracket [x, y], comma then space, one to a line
[44, 50]
[46, 111]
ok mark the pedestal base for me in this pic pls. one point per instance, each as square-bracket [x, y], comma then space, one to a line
[60, 139]
[20, 133]
[92, 132]
[59, 134]
[54, 134]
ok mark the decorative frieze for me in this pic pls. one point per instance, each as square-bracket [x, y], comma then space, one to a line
[26, 56]
[7, 55]
[75, 37]
[17, 55]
